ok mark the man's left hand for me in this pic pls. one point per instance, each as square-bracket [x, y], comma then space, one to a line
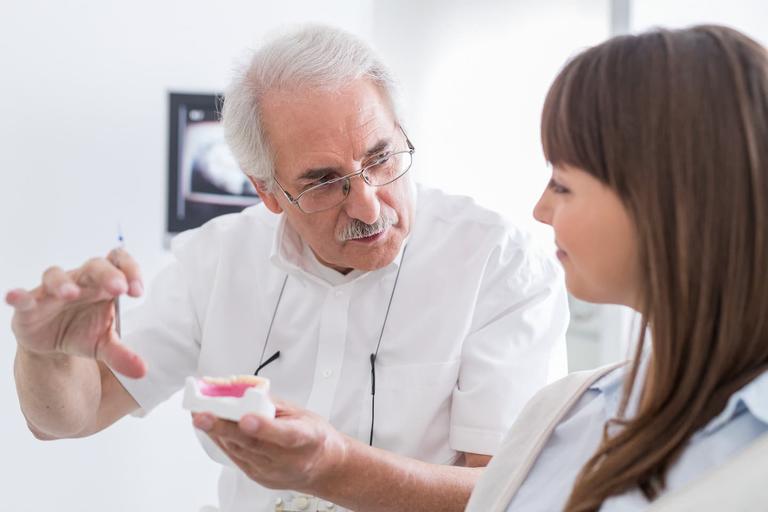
[297, 450]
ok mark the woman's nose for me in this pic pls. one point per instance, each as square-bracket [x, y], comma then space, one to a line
[542, 212]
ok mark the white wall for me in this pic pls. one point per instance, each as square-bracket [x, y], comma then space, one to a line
[475, 76]
[749, 16]
[83, 146]
[475, 80]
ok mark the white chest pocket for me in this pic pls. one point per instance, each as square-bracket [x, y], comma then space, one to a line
[412, 409]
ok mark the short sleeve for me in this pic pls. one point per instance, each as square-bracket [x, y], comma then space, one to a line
[518, 329]
[165, 332]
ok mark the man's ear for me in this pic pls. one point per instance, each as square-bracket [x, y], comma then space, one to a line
[267, 197]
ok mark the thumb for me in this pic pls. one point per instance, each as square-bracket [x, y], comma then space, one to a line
[120, 358]
[283, 407]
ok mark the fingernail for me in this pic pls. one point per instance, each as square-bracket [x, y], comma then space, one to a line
[250, 424]
[68, 290]
[204, 422]
[118, 285]
[136, 287]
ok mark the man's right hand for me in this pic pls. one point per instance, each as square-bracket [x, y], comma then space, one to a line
[73, 313]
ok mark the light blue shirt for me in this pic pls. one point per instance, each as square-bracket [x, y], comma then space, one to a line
[576, 438]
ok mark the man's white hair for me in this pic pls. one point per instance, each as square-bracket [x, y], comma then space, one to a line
[315, 56]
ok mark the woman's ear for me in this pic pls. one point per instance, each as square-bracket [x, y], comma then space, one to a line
[269, 199]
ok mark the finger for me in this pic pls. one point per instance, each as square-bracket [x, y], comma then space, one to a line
[287, 434]
[283, 406]
[253, 464]
[21, 300]
[101, 274]
[222, 430]
[236, 448]
[242, 449]
[215, 426]
[120, 358]
[219, 427]
[245, 456]
[229, 431]
[121, 259]
[58, 283]
[203, 420]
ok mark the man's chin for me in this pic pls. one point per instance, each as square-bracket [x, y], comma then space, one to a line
[373, 253]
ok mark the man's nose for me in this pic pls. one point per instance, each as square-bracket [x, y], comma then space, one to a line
[363, 201]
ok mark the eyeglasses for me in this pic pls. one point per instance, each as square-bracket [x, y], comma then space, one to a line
[383, 170]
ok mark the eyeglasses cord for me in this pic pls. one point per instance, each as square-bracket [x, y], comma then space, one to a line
[372, 357]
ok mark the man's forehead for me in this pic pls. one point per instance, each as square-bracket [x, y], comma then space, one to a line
[365, 121]
[303, 124]
[359, 105]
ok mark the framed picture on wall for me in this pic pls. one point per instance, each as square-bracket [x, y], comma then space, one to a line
[204, 180]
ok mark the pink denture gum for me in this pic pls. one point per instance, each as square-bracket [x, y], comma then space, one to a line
[229, 398]
[234, 386]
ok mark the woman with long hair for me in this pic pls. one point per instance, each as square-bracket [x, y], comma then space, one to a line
[659, 201]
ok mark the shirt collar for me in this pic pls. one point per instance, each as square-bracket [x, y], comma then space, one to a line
[611, 386]
[610, 381]
[753, 398]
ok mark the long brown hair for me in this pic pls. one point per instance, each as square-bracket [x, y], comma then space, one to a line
[676, 123]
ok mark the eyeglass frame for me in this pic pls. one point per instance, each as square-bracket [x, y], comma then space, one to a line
[348, 177]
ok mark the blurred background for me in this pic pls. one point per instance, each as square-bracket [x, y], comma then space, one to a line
[84, 147]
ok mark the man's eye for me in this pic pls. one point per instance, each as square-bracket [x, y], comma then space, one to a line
[380, 159]
[311, 184]
[321, 180]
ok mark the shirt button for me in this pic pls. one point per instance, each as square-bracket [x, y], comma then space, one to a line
[301, 503]
[327, 373]
[338, 293]
[329, 505]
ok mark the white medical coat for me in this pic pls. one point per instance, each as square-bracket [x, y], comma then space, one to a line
[478, 317]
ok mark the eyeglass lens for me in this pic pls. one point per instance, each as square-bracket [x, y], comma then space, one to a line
[382, 172]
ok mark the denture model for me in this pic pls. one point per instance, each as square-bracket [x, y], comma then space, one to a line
[229, 398]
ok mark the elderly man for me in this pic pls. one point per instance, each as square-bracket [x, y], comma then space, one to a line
[410, 326]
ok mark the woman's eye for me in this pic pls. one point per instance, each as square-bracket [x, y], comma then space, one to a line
[556, 187]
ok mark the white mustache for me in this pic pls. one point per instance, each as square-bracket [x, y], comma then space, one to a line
[359, 229]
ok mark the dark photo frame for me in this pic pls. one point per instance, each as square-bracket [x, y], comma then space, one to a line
[204, 180]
